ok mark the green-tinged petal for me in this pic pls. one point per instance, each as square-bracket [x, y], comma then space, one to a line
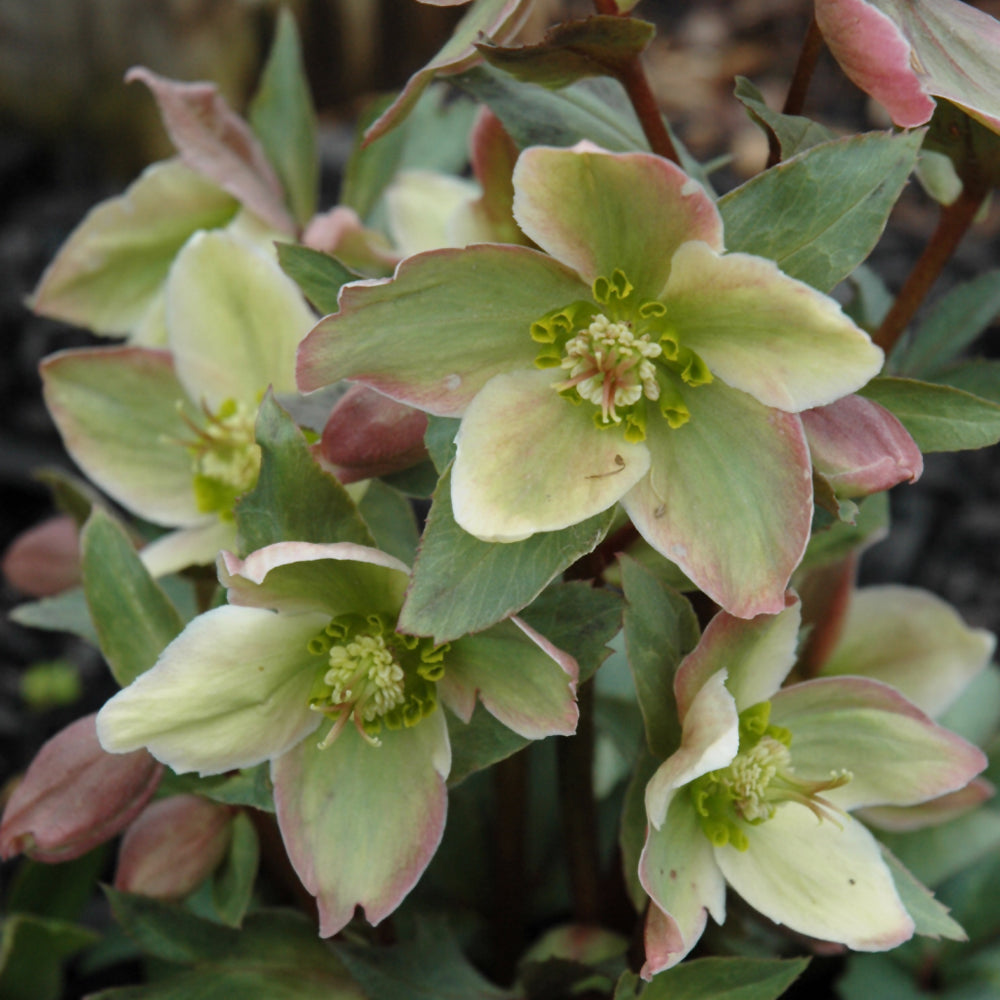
[442, 327]
[894, 753]
[744, 470]
[765, 333]
[913, 640]
[934, 812]
[360, 823]
[521, 678]
[234, 319]
[757, 654]
[599, 211]
[109, 272]
[124, 416]
[820, 878]
[296, 577]
[230, 691]
[678, 870]
[420, 204]
[710, 740]
[528, 460]
[199, 545]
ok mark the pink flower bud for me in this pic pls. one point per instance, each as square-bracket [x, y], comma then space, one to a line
[45, 559]
[860, 447]
[173, 846]
[75, 796]
[368, 434]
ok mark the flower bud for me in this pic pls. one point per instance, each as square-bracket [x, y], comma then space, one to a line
[173, 846]
[75, 796]
[45, 559]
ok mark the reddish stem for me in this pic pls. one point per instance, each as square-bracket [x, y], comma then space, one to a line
[952, 226]
[812, 45]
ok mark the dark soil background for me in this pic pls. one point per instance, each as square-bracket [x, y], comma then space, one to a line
[946, 531]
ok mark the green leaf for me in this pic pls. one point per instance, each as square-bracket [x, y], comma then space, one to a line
[294, 499]
[660, 630]
[391, 521]
[726, 979]
[440, 440]
[479, 743]
[572, 50]
[930, 916]
[981, 377]
[133, 617]
[433, 137]
[56, 891]
[951, 326]
[32, 950]
[429, 967]
[319, 275]
[820, 214]
[938, 417]
[632, 832]
[232, 885]
[870, 525]
[461, 584]
[794, 133]
[65, 612]
[282, 116]
[597, 110]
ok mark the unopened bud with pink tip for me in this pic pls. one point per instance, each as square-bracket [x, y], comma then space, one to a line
[173, 846]
[75, 796]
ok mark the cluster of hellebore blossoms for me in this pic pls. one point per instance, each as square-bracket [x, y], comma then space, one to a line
[642, 423]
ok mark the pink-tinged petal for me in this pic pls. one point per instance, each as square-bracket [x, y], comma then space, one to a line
[820, 878]
[368, 434]
[360, 823]
[173, 847]
[45, 559]
[860, 448]
[678, 870]
[497, 20]
[109, 274]
[894, 753]
[528, 460]
[742, 468]
[599, 211]
[522, 679]
[758, 330]
[934, 812]
[757, 654]
[197, 546]
[709, 741]
[123, 416]
[954, 52]
[494, 154]
[230, 691]
[876, 56]
[447, 322]
[297, 577]
[234, 320]
[913, 640]
[216, 142]
[341, 233]
[75, 796]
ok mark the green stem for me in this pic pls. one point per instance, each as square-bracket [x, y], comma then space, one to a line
[812, 45]
[578, 807]
[953, 224]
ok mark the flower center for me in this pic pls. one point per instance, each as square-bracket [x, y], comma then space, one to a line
[758, 779]
[225, 458]
[620, 352]
[374, 676]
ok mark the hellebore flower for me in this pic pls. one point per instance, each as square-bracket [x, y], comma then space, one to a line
[170, 434]
[308, 642]
[75, 796]
[637, 363]
[904, 53]
[758, 792]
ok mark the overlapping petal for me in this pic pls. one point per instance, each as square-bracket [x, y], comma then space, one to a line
[527, 461]
[743, 469]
